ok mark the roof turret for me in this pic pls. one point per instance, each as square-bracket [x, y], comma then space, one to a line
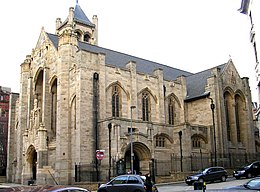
[80, 16]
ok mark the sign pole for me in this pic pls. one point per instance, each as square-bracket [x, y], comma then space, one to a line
[99, 155]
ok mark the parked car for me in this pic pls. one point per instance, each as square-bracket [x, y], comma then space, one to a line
[126, 183]
[248, 171]
[70, 189]
[44, 188]
[253, 184]
[208, 174]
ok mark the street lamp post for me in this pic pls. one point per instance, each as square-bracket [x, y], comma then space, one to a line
[131, 140]
[180, 136]
[212, 107]
[109, 126]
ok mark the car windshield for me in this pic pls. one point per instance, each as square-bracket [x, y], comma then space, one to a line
[204, 171]
[248, 166]
[253, 184]
[119, 180]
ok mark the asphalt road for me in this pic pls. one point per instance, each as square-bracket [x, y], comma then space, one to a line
[216, 186]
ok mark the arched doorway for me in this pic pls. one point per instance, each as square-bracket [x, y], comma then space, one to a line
[142, 157]
[32, 161]
[34, 165]
[136, 162]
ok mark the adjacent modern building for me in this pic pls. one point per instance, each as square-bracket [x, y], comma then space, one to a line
[78, 99]
[251, 9]
[4, 114]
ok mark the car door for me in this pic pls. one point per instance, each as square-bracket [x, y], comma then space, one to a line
[256, 168]
[118, 184]
[209, 175]
[134, 184]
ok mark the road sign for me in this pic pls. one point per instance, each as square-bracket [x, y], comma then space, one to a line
[100, 154]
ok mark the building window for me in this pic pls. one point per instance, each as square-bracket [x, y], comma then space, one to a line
[1, 128]
[145, 107]
[1, 148]
[86, 38]
[160, 141]
[115, 101]
[134, 130]
[255, 50]
[227, 118]
[171, 111]
[196, 142]
[238, 119]
[78, 35]
[54, 108]
[2, 113]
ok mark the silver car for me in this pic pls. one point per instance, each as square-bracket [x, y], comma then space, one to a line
[124, 183]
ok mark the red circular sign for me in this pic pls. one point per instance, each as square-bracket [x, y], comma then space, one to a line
[100, 155]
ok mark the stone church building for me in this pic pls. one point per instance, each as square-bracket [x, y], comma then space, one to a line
[77, 97]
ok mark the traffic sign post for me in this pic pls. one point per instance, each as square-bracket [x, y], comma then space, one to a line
[99, 155]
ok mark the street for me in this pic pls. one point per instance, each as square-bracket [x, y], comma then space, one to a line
[210, 186]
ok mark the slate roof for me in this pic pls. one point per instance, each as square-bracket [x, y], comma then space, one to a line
[195, 82]
[119, 60]
[81, 17]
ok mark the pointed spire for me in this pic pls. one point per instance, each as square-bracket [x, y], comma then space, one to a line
[80, 16]
[77, 1]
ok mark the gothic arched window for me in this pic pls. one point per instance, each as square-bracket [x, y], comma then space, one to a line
[86, 37]
[54, 108]
[115, 101]
[145, 107]
[226, 103]
[238, 111]
[171, 111]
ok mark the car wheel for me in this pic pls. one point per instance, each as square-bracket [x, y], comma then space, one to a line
[201, 180]
[237, 177]
[249, 175]
[223, 178]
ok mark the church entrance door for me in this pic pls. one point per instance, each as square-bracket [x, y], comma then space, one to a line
[141, 159]
[32, 162]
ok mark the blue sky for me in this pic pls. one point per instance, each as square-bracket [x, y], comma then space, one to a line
[185, 34]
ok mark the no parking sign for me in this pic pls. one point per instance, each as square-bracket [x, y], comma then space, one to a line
[100, 154]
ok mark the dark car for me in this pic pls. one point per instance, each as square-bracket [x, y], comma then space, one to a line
[248, 171]
[126, 183]
[208, 174]
[253, 184]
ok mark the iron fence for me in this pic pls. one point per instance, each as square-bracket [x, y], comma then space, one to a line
[191, 163]
[195, 162]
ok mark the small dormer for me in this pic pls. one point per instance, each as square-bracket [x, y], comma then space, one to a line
[85, 30]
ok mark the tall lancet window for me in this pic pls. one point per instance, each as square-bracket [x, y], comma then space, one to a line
[171, 111]
[115, 101]
[226, 103]
[238, 110]
[145, 107]
[54, 108]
